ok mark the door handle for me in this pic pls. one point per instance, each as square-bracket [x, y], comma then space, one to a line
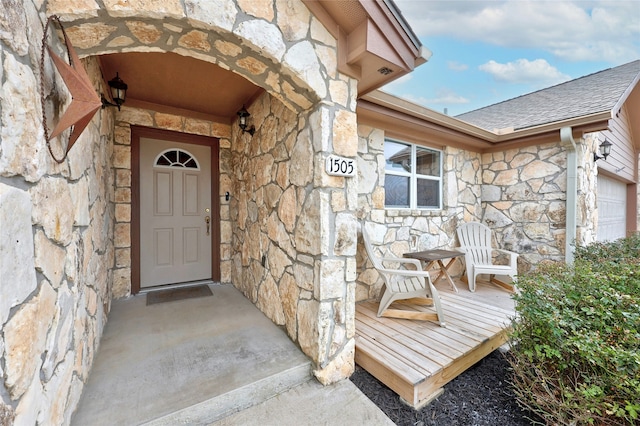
[207, 220]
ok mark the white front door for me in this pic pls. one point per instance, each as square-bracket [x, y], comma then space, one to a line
[175, 212]
[612, 209]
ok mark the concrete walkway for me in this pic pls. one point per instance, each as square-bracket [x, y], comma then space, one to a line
[210, 360]
[313, 404]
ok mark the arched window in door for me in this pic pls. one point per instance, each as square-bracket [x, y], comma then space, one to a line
[176, 157]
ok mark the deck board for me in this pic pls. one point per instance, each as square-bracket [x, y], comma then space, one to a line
[414, 353]
[406, 337]
[416, 358]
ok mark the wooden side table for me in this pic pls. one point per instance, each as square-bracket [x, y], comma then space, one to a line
[437, 256]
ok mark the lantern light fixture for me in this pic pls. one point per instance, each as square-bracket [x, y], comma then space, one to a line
[605, 150]
[118, 90]
[243, 114]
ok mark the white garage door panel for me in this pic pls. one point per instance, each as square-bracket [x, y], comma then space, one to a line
[612, 209]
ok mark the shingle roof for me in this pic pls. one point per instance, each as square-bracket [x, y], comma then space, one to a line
[594, 93]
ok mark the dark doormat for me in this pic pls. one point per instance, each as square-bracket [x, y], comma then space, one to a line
[180, 293]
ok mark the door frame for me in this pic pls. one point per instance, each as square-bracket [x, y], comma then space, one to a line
[138, 132]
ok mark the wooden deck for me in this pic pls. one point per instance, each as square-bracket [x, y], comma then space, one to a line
[417, 358]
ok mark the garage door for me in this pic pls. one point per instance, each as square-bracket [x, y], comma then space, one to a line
[612, 208]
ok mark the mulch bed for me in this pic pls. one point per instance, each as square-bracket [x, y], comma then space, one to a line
[482, 395]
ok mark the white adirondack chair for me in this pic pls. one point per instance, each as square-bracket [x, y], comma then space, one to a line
[405, 286]
[475, 241]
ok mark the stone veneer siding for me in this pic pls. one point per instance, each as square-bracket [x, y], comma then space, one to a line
[55, 305]
[56, 233]
[281, 47]
[520, 194]
[293, 232]
[524, 199]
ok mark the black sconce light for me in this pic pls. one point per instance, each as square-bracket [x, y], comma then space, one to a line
[242, 121]
[605, 150]
[118, 92]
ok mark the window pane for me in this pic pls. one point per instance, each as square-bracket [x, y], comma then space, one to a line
[397, 156]
[428, 162]
[396, 191]
[162, 161]
[172, 156]
[428, 193]
[184, 157]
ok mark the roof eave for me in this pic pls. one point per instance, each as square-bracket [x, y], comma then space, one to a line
[584, 124]
[411, 127]
[618, 106]
[381, 48]
[633, 104]
[415, 120]
[402, 105]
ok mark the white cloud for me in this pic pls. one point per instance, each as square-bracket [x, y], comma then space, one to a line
[443, 97]
[570, 30]
[457, 66]
[538, 72]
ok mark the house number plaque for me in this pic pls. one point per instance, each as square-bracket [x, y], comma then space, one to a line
[340, 166]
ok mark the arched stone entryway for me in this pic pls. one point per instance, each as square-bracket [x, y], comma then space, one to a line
[292, 228]
[276, 54]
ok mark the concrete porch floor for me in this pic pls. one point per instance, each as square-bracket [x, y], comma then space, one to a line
[204, 361]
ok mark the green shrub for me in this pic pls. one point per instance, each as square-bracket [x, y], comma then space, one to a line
[614, 251]
[576, 351]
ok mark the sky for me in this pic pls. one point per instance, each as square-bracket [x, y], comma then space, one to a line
[484, 52]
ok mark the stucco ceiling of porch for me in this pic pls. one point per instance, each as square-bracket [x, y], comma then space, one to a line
[172, 83]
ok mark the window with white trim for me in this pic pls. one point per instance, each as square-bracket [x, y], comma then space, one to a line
[413, 176]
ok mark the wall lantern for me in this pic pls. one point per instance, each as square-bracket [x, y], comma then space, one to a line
[118, 92]
[243, 114]
[605, 150]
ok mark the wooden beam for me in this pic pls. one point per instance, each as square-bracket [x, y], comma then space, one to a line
[423, 301]
[414, 315]
[511, 288]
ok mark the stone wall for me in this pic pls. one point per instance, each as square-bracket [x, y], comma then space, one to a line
[587, 202]
[293, 232]
[56, 232]
[519, 193]
[268, 191]
[65, 234]
[524, 199]
[280, 46]
[391, 230]
[277, 44]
